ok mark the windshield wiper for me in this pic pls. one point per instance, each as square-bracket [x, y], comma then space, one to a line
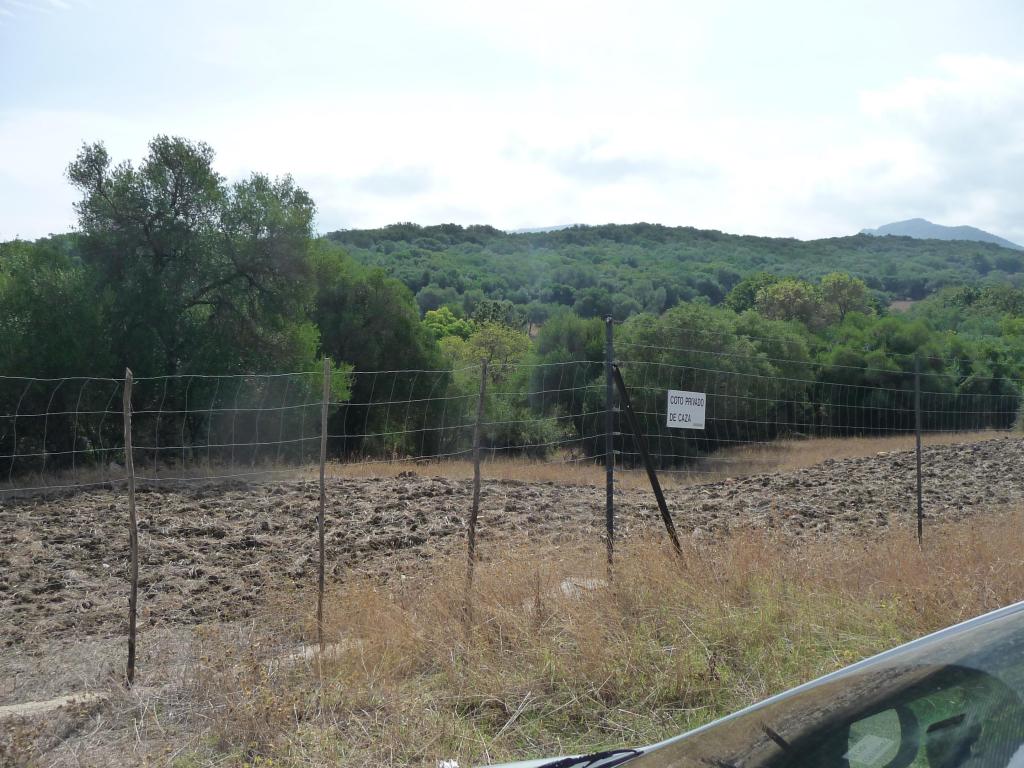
[584, 760]
[775, 737]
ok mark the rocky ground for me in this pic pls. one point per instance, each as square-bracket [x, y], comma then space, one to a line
[214, 553]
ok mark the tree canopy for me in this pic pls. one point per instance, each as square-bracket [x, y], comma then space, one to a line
[632, 268]
[194, 273]
[176, 271]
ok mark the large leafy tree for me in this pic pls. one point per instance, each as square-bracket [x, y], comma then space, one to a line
[743, 296]
[371, 321]
[50, 327]
[443, 322]
[514, 422]
[192, 274]
[367, 318]
[196, 274]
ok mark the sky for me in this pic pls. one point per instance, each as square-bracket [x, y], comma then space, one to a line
[796, 119]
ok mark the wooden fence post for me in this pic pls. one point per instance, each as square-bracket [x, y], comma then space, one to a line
[133, 529]
[320, 517]
[917, 442]
[641, 446]
[609, 444]
[475, 510]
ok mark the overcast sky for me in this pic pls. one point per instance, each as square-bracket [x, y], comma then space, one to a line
[803, 119]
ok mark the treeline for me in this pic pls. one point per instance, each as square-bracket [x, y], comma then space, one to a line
[187, 278]
[781, 358]
[624, 270]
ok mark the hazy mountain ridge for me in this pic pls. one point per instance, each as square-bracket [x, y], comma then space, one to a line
[923, 229]
[534, 230]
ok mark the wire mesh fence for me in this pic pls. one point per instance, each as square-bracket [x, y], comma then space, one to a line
[67, 433]
[196, 430]
[751, 407]
[217, 427]
[53, 430]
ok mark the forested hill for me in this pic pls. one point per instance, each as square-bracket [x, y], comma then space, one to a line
[181, 275]
[624, 269]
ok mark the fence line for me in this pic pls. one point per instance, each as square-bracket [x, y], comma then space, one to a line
[63, 433]
[67, 434]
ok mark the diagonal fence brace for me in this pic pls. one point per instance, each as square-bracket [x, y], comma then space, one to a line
[641, 444]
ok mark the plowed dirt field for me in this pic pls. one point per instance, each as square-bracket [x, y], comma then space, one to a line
[213, 552]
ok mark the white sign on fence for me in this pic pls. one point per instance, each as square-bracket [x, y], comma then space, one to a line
[686, 409]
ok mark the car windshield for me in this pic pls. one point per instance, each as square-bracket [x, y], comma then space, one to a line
[950, 700]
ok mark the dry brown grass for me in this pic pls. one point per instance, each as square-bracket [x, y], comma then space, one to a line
[547, 670]
[780, 455]
[673, 645]
[796, 454]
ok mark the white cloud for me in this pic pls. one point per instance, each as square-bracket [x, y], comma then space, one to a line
[956, 139]
[29, 5]
[947, 146]
[35, 197]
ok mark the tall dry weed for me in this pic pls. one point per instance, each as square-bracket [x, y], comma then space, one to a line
[558, 660]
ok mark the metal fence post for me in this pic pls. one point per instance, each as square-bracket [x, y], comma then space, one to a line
[474, 512]
[133, 529]
[609, 443]
[917, 439]
[321, 512]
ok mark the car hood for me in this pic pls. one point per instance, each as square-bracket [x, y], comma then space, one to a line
[916, 658]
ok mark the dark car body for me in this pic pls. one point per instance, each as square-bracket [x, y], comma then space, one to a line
[952, 699]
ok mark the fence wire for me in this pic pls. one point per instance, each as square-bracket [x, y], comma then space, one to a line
[68, 433]
[755, 401]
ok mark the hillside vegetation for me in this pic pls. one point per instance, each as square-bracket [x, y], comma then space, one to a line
[174, 271]
[625, 269]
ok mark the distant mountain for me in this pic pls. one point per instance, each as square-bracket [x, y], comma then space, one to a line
[926, 230]
[534, 230]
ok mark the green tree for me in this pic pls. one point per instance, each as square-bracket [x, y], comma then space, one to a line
[569, 352]
[50, 323]
[843, 294]
[503, 312]
[194, 273]
[793, 299]
[442, 322]
[500, 345]
[370, 321]
[569, 337]
[513, 424]
[431, 297]
[743, 296]
[367, 318]
[537, 313]
[50, 327]
[593, 302]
